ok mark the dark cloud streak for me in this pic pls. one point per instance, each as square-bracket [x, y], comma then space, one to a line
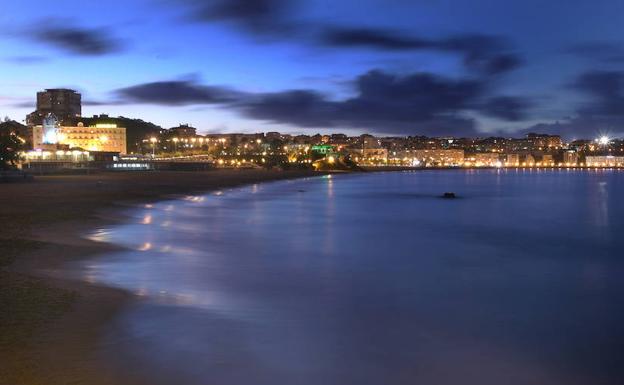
[276, 20]
[383, 102]
[77, 40]
[268, 17]
[176, 93]
[509, 108]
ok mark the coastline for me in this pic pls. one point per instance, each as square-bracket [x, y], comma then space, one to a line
[51, 324]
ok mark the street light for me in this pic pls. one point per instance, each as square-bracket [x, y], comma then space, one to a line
[153, 140]
[175, 144]
[604, 140]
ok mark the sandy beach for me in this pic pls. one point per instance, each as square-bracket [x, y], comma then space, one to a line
[50, 325]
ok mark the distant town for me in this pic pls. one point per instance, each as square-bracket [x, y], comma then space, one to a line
[57, 136]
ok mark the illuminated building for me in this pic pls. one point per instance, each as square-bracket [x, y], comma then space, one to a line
[375, 155]
[544, 141]
[485, 159]
[23, 133]
[604, 161]
[439, 157]
[63, 103]
[101, 137]
[512, 160]
[323, 149]
[547, 160]
[570, 158]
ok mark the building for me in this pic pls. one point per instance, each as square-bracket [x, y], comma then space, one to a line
[570, 158]
[548, 160]
[100, 138]
[183, 131]
[375, 155]
[544, 141]
[484, 159]
[439, 157]
[604, 161]
[24, 133]
[323, 149]
[512, 160]
[64, 103]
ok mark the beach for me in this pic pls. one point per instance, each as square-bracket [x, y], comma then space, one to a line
[50, 324]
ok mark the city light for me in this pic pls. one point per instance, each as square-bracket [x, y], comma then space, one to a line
[604, 140]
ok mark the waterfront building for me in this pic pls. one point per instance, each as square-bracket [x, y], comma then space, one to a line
[604, 161]
[512, 160]
[375, 155]
[547, 160]
[101, 137]
[484, 159]
[570, 158]
[439, 157]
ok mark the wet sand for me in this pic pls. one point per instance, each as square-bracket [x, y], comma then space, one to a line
[49, 327]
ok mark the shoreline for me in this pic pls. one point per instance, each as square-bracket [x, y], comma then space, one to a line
[53, 335]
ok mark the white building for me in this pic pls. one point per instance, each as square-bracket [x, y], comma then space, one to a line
[604, 161]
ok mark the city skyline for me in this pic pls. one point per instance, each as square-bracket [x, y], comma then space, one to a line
[304, 68]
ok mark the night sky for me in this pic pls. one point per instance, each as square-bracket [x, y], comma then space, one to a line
[397, 67]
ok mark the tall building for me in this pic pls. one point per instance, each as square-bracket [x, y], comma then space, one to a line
[64, 104]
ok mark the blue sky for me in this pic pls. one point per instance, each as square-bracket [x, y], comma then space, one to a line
[433, 67]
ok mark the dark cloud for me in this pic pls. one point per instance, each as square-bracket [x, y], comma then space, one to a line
[602, 111]
[495, 64]
[606, 91]
[77, 40]
[257, 16]
[303, 108]
[599, 51]
[372, 38]
[95, 103]
[24, 104]
[582, 127]
[382, 102]
[175, 92]
[508, 108]
[276, 19]
[483, 53]
[412, 104]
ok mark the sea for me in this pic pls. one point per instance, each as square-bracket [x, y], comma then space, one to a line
[374, 279]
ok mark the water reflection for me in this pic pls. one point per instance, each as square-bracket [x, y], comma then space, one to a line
[372, 279]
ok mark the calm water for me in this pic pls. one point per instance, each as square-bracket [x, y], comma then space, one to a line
[373, 279]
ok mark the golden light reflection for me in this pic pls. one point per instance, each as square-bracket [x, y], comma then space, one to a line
[145, 247]
[100, 235]
[147, 219]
